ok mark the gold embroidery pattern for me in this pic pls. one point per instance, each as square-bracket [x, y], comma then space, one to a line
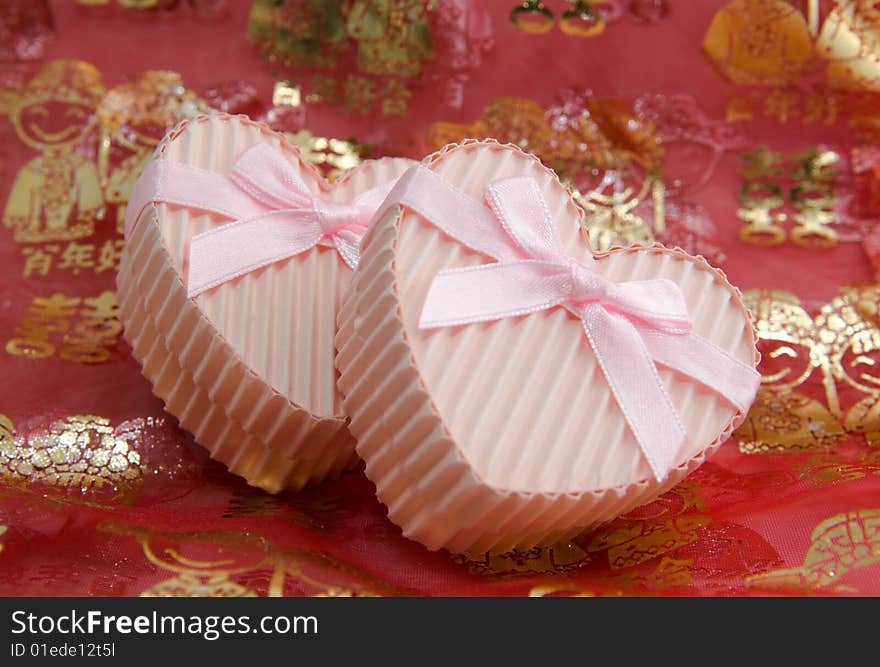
[601, 136]
[840, 544]
[839, 346]
[2, 530]
[560, 559]
[57, 195]
[390, 40]
[654, 530]
[243, 564]
[83, 453]
[828, 468]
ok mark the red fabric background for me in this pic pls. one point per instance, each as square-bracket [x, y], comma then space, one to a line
[804, 521]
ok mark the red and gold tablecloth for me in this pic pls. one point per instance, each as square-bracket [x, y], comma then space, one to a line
[747, 131]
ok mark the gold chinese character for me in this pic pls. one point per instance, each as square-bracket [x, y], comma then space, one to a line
[761, 162]
[92, 337]
[814, 165]
[38, 260]
[56, 308]
[781, 104]
[109, 256]
[45, 316]
[77, 256]
[739, 109]
[101, 307]
[814, 201]
[822, 107]
[761, 228]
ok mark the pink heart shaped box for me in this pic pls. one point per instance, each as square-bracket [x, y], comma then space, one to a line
[505, 434]
[246, 367]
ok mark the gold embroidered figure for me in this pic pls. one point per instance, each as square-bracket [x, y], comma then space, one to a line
[854, 357]
[759, 42]
[850, 39]
[781, 418]
[56, 196]
[841, 543]
[134, 117]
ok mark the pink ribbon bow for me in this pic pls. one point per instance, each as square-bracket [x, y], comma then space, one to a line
[631, 326]
[275, 214]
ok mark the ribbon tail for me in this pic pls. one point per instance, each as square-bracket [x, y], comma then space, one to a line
[348, 244]
[705, 362]
[493, 291]
[636, 386]
[230, 251]
[372, 199]
[658, 301]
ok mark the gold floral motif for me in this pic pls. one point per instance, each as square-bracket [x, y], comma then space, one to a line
[839, 347]
[237, 563]
[82, 452]
[840, 544]
[2, 530]
[561, 558]
[57, 195]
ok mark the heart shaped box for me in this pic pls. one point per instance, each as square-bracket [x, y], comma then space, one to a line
[505, 434]
[246, 367]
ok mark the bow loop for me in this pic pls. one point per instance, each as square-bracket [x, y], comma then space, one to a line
[631, 326]
[276, 214]
[268, 177]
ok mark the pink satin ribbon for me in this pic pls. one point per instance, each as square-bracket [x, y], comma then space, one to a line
[631, 326]
[275, 214]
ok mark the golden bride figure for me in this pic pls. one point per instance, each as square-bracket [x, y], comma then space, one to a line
[133, 118]
[56, 196]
